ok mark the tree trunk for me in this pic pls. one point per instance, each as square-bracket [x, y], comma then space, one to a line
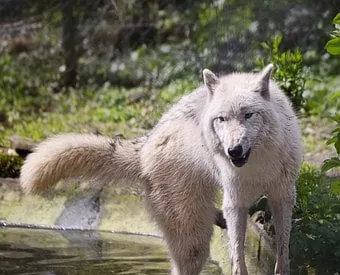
[69, 25]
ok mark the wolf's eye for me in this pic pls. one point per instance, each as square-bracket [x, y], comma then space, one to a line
[220, 119]
[248, 115]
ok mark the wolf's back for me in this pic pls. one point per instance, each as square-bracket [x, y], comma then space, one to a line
[85, 156]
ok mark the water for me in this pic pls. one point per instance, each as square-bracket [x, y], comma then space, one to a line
[60, 252]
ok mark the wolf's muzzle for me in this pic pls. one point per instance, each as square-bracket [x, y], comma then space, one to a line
[241, 160]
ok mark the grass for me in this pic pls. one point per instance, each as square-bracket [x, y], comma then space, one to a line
[108, 111]
[322, 95]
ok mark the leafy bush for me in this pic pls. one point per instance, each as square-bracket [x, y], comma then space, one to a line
[154, 67]
[333, 47]
[27, 83]
[288, 70]
[335, 161]
[315, 239]
[10, 166]
[322, 94]
[108, 110]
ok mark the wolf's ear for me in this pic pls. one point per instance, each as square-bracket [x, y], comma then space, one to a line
[264, 77]
[210, 80]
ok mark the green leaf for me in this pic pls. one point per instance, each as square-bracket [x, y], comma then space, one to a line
[333, 46]
[336, 118]
[265, 46]
[335, 96]
[337, 130]
[335, 187]
[336, 19]
[331, 140]
[337, 146]
[330, 164]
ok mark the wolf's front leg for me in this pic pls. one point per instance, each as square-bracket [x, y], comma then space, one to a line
[282, 215]
[236, 218]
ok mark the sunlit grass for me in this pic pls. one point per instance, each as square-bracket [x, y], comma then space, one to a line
[108, 111]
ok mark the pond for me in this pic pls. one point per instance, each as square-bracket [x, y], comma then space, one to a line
[60, 252]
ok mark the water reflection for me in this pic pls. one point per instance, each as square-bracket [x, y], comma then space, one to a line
[57, 252]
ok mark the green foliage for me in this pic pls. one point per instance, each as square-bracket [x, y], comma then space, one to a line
[333, 45]
[10, 166]
[335, 139]
[331, 163]
[315, 238]
[13, 88]
[153, 67]
[334, 48]
[288, 70]
[27, 82]
[10, 79]
[315, 200]
[107, 110]
[322, 95]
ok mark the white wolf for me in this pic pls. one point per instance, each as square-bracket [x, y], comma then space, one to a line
[238, 131]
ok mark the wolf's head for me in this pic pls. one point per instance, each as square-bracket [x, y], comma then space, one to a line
[235, 119]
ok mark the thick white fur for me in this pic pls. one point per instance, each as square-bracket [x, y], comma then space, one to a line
[85, 156]
[184, 158]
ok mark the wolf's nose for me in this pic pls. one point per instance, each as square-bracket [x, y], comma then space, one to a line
[235, 152]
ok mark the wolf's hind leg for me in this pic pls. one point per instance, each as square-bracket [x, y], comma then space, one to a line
[187, 230]
[188, 254]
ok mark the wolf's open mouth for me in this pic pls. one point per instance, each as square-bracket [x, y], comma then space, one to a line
[239, 162]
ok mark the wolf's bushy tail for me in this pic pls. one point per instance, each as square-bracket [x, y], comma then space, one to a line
[85, 156]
